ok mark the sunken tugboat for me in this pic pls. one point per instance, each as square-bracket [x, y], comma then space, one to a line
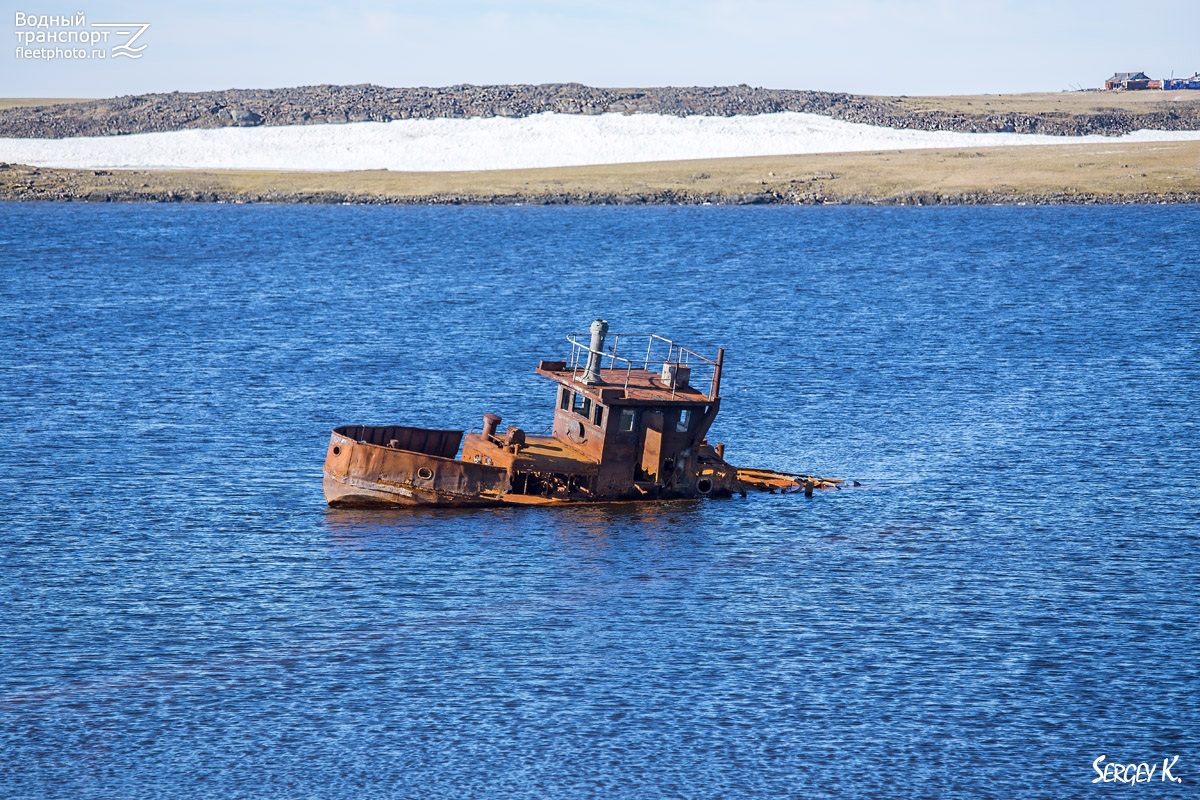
[629, 424]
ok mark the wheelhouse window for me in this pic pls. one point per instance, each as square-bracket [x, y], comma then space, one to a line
[565, 402]
[583, 405]
[598, 417]
[685, 420]
[626, 422]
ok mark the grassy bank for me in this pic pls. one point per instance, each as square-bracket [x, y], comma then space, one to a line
[1106, 173]
[34, 102]
[1048, 102]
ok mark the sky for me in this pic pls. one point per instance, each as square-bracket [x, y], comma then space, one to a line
[860, 46]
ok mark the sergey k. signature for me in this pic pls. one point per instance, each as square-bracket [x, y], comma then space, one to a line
[1135, 772]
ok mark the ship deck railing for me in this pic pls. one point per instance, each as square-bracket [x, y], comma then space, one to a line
[646, 351]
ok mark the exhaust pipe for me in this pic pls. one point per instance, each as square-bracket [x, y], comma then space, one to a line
[591, 375]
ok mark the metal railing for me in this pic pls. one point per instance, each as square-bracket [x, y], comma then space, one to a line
[658, 351]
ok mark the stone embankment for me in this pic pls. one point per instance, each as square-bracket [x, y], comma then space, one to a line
[311, 105]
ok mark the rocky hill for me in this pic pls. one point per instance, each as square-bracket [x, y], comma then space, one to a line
[308, 105]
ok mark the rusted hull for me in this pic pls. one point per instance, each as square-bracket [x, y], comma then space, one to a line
[357, 493]
[358, 473]
[768, 480]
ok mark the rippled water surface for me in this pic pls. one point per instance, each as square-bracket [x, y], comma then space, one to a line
[1011, 594]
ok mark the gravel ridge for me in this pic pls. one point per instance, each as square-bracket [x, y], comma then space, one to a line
[328, 104]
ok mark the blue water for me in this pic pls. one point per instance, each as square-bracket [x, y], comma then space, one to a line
[1011, 594]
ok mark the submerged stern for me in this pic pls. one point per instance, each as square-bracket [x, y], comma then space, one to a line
[401, 466]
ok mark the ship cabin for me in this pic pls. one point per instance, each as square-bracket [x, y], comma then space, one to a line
[629, 422]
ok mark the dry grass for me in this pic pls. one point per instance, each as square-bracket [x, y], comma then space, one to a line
[1095, 171]
[1049, 102]
[19, 102]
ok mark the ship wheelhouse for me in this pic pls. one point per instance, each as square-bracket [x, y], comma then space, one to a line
[629, 421]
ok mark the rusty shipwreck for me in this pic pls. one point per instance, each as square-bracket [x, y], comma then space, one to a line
[629, 424]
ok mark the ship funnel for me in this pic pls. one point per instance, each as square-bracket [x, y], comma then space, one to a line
[591, 375]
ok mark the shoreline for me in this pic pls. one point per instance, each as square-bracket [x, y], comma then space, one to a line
[1148, 172]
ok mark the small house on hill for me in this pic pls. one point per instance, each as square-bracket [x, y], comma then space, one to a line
[1128, 80]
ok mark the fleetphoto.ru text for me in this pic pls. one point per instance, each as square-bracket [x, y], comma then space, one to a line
[50, 37]
[1137, 772]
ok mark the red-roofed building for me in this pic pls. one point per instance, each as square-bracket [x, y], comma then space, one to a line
[1129, 80]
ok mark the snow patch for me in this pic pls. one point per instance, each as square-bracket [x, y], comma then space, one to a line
[543, 140]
